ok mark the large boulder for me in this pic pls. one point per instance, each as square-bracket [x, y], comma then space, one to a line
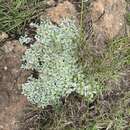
[105, 21]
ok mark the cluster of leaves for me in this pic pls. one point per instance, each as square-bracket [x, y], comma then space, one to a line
[54, 56]
[15, 14]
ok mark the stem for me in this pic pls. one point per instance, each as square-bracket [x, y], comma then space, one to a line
[81, 16]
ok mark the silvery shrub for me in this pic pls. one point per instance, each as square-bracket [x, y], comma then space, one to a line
[54, 56]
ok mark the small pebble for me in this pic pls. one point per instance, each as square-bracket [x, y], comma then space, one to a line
[51, 3]
[3, 36]
[5, 68]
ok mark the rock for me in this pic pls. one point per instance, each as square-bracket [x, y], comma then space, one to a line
[105, 21]
[3, 36]
[14, 46]
[108, 17]
[12, 103]
[62, 10]
[51, 3]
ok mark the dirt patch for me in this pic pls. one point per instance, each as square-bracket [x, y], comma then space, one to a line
[12, 76]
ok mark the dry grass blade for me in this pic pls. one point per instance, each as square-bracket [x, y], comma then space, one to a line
[15, 14]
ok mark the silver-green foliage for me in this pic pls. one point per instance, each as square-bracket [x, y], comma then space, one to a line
[54, 56]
